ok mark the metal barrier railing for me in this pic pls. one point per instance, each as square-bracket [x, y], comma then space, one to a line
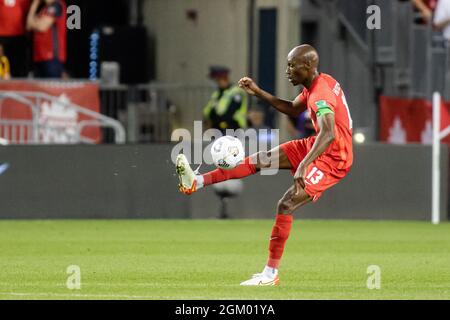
[152, 111]
[148, 112]
[35, 130]
[16, 131]
[412, 55]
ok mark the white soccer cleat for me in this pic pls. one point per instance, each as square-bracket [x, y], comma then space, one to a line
[188, 181]
[261, 279]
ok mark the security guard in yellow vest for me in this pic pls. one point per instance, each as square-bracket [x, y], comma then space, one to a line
[4, 66]
[227, 108]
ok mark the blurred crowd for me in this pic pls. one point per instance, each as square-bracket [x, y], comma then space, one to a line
[33, 38]
[435, 12]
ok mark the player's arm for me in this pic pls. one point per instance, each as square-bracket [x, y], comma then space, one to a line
[424, 10]
[291, 108]
[36, 23]
[325, 122]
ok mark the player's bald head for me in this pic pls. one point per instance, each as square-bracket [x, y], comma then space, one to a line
[302, 63]
[304, 54]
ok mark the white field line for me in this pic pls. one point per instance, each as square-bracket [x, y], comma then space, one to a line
[118, 284]
[307, 286]
[80, 295]
[124, 296]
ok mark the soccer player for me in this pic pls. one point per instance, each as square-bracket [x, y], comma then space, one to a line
[47, 19]
[317, 163]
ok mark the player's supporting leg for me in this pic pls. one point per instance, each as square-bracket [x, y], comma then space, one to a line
[190, 182]
[280, 233]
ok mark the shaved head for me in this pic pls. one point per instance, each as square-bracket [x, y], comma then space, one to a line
[305, 54]
[302, 62]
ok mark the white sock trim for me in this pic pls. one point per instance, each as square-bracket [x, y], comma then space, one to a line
[200, 181]
[270, 272]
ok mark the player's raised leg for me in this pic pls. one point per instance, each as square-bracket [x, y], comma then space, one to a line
[280, 233]
[190, 182]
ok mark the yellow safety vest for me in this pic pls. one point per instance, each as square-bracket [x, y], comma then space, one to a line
[4, 67]
[221, 105]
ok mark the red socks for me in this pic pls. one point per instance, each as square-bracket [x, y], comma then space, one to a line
[243, 170]
[280, 234]
[283, 222]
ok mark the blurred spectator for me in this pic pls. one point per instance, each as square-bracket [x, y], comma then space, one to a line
[13, 15]
[4, 65]
[227, 108]
[47, 20]
[442, 17]
[256, 117]
[301, 127]
[425, 8]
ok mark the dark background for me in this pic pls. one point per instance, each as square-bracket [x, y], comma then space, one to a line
[127, 45]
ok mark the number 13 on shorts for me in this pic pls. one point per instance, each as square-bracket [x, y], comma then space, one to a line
[314, 176]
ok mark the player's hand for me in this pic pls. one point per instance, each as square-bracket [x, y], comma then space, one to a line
[427, 15]
[299, 178]
[248, 85]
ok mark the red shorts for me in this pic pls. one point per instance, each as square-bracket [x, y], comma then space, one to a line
[321, 174]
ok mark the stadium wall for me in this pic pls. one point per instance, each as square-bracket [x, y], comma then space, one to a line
[219, 34]
[138, 181]
[191, 35]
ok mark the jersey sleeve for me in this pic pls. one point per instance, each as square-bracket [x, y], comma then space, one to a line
[302, 96]
[302, 99]
[323, 101]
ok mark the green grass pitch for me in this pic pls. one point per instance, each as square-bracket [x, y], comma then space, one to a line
[207, 259]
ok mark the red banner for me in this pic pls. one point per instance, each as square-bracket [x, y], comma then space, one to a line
[52, 113]
[410, 120]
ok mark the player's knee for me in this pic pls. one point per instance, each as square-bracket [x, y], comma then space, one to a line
[284, 206]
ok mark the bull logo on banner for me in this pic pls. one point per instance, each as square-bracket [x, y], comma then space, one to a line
[58, 122]
[49, 112]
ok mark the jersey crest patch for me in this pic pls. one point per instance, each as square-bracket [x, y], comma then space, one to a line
[321, 104]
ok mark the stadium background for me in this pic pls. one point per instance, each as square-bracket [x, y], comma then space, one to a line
[161, 51]
[164, 50]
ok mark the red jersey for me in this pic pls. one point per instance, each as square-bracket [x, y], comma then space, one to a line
[52, 43]
[325, 92]
[13, 15]
[431, 4]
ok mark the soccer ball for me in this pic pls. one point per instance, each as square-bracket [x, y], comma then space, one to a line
[227, 152]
